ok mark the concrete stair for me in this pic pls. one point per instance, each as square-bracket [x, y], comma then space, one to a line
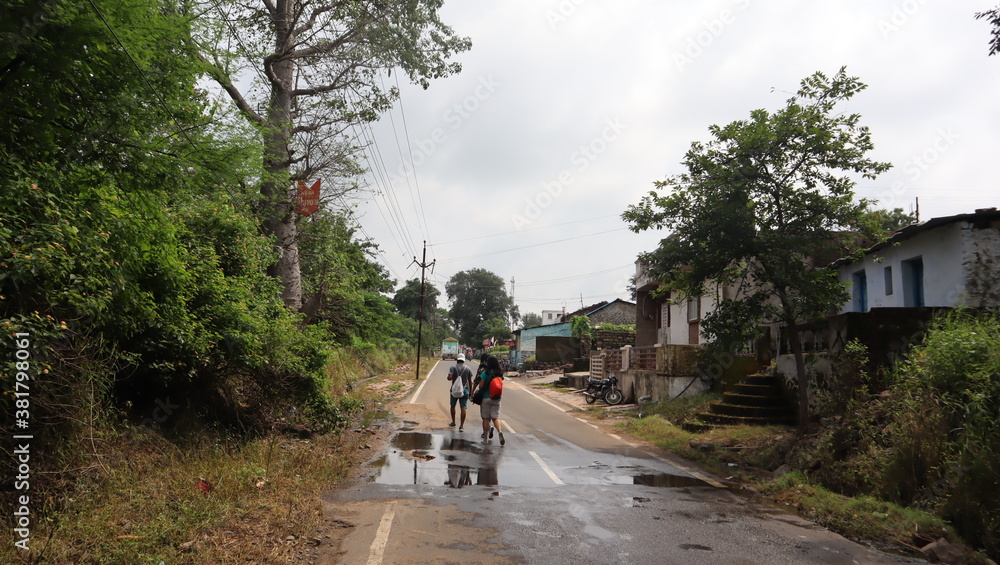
[756, 401]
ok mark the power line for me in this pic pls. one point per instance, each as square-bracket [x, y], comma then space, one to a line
[413, 167]
[377, 166]
[529, 246]
[524, 230]
[574, 277]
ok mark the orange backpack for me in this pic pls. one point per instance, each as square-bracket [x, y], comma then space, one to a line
[496, 387]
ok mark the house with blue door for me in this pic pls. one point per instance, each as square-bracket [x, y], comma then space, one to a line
[945, 262]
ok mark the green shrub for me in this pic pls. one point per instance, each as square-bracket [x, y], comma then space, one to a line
[946, 434]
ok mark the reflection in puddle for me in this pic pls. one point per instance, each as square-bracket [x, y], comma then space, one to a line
[667, 481]
[425, 458]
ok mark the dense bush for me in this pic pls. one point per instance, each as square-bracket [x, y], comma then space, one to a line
[932, 440]
[946, 425]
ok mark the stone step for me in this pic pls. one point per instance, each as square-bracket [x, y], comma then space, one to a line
[727, 420]
[766, 412]
[753, 399]
[763, 380]
[756, 390]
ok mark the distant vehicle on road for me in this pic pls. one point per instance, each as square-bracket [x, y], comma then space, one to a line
[449, 348]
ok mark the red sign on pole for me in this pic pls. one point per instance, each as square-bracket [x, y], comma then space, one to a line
[307, 198]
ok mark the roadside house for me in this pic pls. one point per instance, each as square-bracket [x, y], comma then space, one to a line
[951, 261]
[526, 340]
[617, 311]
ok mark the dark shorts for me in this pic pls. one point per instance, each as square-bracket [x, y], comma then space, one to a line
[463, 402]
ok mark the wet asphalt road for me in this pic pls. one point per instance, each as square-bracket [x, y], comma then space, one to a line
[560, 491]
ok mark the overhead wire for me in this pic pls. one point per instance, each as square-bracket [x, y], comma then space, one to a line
[490, 236]
[528, 246]
[384, 185]
[389, 193]
[413, 168]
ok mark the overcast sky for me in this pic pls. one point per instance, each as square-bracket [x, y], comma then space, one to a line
[567, 111]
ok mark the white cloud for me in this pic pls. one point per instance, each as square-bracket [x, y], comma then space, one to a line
[557, 85]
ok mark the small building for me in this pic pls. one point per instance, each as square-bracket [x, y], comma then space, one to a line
[550, 317]
[662, 320]
[618, 311]
[951, 261]
[526, 339]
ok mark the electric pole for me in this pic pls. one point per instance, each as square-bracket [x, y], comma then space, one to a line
[420, 317]
[512, 302]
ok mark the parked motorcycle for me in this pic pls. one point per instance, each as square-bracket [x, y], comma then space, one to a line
[604, 389]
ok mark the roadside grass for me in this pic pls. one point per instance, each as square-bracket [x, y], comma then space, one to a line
[557, 387]
[748, 454]
[861, 517]
[259, 502]
[205, 497]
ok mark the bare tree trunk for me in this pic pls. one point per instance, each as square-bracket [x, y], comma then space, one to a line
[795, 344]
[278, 212]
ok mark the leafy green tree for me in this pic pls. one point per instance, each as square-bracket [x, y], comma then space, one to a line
[344, 283]
[993, 17]
[890, 221]
[407, 299]
[531, 320]
[756, 203]
[581, 328]
[477, 295]
[493, 328]
[126, 235]
[317, 66]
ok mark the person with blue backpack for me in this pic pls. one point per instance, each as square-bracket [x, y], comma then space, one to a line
[489, 386]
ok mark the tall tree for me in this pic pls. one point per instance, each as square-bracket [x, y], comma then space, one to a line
[756, 203]
[316, 65]
[531, 320]
[407, 300]
[477, 295]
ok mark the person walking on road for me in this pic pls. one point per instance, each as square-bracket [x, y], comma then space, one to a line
[461, 383]
[490, 408]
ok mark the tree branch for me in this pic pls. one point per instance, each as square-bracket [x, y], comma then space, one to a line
[223, 79]
[271, 9]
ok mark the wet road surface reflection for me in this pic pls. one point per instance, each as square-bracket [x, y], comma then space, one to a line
[459, 460]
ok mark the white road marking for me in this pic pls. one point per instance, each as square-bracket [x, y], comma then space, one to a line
[506, 426]
[552, 475]
[382, 535]
[546, 468]
[413, 398]
[527, 390]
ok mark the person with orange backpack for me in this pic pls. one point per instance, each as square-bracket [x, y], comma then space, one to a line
[489, 385]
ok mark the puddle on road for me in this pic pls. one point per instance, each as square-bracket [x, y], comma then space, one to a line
[425, 458]
[422, 458]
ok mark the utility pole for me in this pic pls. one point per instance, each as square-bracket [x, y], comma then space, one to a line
[420, 317]
[512, 302]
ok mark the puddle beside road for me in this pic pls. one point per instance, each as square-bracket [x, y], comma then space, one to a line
[448, 458]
